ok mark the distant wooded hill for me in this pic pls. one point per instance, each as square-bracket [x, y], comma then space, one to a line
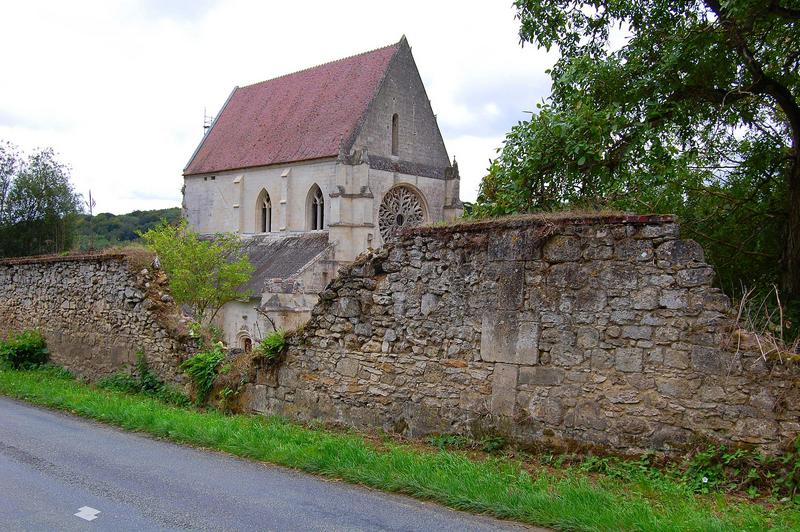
[114, 229]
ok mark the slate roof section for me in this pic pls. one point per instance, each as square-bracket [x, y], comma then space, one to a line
[282, 256]
[297, 117]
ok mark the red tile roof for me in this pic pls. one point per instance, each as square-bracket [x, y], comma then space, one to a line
[296, 117]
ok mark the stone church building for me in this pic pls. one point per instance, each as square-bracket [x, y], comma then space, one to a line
[313, 168]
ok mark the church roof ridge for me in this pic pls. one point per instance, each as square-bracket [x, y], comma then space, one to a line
[326, 63]
[300, 116]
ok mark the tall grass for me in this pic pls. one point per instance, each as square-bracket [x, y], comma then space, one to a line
[567, 499]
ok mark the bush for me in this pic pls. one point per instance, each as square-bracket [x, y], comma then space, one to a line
[271, 347]
[24, 350]
[143, 381]
[203, 273]
[202, 369]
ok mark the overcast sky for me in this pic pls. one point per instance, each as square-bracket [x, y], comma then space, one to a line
[118, 88]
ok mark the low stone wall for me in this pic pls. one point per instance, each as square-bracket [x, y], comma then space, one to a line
[94, 312]
[597, 330]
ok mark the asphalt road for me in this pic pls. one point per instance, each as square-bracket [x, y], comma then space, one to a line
[52, 465]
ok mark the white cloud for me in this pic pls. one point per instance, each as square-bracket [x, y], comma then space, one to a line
[119, 88]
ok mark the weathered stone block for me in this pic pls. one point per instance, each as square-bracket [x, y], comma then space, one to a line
[347, 307]
[255, 397]
[645, 298]
[634, 250]
[499, 331]
[527, 349]
[664, 230]
[428, 303]
[565, 355]
[680, 388]
[628, 359]
[590, 299]
[695, 277]
[546, 410]
[363, 329]
[504, 390]
[588, 415]
[587, 337]
[347, 367]
[505, 339]
[710, 360]
[561, 248]
[637, 332]
[676, 252]
[541, 376]
[598, 252]
[511, 286]
[518, 245]
[618, 275]
[625, 397]
[676, 359]
[567, 274]
[674, 299]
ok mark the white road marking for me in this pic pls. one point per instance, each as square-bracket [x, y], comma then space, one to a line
[87, 512]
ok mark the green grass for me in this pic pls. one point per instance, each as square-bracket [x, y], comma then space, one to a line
[567, 499]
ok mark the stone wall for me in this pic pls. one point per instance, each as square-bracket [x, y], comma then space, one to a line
[94, 311]
[596, 330]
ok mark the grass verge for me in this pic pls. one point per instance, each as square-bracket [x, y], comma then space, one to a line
[566, 499]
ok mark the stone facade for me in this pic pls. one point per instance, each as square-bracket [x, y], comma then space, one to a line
[94, 312]
[595, 330]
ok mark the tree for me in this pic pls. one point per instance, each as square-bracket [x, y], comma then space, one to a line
[105, 229]
[203, 273]
[695, 113]
[39, 204]
[9, 163]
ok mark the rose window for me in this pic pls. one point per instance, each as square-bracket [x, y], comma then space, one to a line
[401, 207]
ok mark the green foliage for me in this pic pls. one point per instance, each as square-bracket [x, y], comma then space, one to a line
[491, 444]
[24, 350]
[743, 470]
[685, 107]
[450, 441]
[487, 444]
[203, 273]
[216, 334]
[271, 347]
[142, 380]
[38, 204]
[714, 469]
[567, 499]
[202, 369]
[55, 372]
[105, 230]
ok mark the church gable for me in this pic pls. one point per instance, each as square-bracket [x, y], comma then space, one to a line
[301, 116]
[399, 130]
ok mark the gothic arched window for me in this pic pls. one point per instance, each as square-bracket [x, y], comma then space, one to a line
[264, 213]
[395, 134]
[316, 207]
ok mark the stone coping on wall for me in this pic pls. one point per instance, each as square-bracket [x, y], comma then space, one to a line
[45, 259]
[528, 220]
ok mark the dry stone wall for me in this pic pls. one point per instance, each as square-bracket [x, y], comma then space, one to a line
[94, 311]
[596, 330]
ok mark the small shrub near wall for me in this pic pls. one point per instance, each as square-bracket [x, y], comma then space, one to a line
[271, 348]
[202, 370]
[24, 350]
[141, 380]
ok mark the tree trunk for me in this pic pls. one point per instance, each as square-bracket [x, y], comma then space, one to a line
[790, 274]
